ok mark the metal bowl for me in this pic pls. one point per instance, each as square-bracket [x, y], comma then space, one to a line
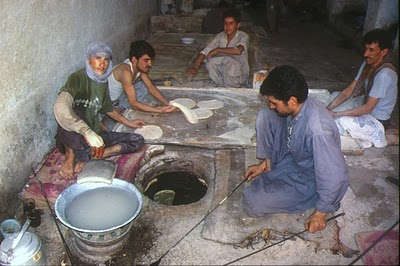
[187, 40]
[72, 192]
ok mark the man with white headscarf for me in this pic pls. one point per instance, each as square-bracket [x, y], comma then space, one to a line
[77, 108]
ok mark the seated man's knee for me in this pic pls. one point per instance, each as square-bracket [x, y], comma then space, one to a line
[232, 82]
[139, 140]
[133, 143]
[135, 138]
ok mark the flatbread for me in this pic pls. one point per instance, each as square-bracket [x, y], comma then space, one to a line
[150, 132]
[210, 104]
[190, 116]
[203, 113]
[189, 103]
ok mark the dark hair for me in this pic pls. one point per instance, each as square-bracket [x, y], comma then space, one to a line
[380, 36]
[283, 82]
[234, 13]
[140, 48]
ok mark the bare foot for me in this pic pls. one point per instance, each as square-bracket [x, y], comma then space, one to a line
[79, 166]
[67, 169]
[111, 151]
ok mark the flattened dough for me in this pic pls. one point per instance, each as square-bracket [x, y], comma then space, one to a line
[150, 132]
[210, 104]
[189, 103]
[190, 116]
[203, 113]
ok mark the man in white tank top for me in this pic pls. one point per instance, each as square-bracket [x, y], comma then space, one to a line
[126, 87]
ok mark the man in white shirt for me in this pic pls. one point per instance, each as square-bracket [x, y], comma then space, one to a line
[372, 94]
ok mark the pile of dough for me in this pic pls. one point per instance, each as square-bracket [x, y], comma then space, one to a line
[150, 132]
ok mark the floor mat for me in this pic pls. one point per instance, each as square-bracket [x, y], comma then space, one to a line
[53, 184]
[385, 252]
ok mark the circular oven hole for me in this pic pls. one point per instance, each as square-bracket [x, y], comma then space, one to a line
[176, 188]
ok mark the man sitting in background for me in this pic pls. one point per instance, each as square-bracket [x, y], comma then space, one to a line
[364, 107]
[77, 108]
[227, 59]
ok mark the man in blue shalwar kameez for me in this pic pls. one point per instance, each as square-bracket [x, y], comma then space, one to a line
[299, 143]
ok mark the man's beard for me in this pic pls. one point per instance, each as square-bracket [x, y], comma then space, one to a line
[282, 114]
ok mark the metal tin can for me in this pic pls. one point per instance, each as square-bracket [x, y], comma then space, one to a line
[9, 227]
[27, 252]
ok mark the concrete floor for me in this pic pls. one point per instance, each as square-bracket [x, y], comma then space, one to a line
[370, 203]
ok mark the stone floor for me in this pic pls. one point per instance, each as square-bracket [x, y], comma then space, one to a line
[190, 235]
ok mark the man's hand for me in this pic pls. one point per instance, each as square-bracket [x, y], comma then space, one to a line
[136, 123]
[316, 222]
[95, 142]
[333, 114]
[191, 71]
[255, 170]
[167, 109]
[98, 152]
[213, 53]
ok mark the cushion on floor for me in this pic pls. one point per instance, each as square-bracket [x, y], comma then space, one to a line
[385, 252]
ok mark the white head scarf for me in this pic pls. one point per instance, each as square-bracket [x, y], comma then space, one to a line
[98, 49]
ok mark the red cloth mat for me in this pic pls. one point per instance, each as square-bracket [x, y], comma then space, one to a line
[385, 252]
[54, 184]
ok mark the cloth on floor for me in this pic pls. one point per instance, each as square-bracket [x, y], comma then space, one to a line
[53, 184]
[97, 171]
[385, 252]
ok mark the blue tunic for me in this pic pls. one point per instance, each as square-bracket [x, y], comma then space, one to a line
[308, 169]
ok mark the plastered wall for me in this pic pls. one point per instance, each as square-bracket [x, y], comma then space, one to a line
[378, 14]
[41, 43]
[381, 14]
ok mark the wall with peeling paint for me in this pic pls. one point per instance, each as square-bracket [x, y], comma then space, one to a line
[41, 43]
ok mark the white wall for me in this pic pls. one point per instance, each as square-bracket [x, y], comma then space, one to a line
[41, 43]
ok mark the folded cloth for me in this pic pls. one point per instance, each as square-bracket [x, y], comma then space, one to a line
[97, 171]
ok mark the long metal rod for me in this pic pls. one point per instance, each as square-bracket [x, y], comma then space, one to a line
[67, 250]
[209, 212]
[283, 240]
[374, 243]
